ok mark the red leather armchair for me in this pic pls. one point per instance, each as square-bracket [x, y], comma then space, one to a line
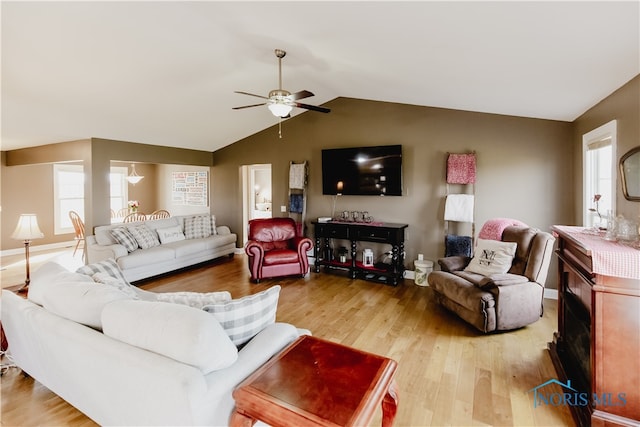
[275, 250]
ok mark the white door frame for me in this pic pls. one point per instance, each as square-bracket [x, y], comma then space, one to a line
[247, 177]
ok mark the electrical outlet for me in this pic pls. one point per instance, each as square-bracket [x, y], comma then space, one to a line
[283, 208]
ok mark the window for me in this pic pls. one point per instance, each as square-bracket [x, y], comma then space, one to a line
[119, 188]
[599, 147]
[68, 186]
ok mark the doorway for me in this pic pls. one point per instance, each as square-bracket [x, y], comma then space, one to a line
[256, 189]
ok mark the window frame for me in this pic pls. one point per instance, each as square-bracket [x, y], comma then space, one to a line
[57, 215]
[64, 167]
[602, 136]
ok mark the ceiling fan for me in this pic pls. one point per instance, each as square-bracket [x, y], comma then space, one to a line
[280, 102]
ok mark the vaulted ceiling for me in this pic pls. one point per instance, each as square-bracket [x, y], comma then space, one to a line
[165, 73]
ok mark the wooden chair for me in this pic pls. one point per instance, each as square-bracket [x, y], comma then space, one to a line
[78, 227]
[133, 217]
[122, 213]
[159, 214]
[113, 214]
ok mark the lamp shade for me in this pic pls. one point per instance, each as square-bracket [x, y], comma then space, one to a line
[280, 110]
[27, 228]
[133, 177]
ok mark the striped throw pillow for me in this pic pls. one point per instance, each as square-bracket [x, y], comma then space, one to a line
[108, 266]
[243, 318]
[145, 237]
[197, 227]
[125, 238]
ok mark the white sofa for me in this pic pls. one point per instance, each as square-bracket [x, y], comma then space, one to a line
[186, 379]
[143, 263]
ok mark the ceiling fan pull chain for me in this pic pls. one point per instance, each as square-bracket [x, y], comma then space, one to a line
[280, 127]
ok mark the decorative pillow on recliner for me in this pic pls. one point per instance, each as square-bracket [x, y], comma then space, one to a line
[197, 227]
[243, 318]
[492, 257]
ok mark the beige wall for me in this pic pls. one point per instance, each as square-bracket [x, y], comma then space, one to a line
[525, 166]
[623, 106]
[165, 186]
[528, 169]
[27, 181]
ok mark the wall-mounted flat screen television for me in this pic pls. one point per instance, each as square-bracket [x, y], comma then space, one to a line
[362, 171]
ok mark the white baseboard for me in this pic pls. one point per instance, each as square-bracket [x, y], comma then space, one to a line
[38, 248]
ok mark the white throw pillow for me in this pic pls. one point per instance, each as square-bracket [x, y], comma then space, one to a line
[492, 257]
[176, 331]
[49, 275]
[170, 234]
[81, 302]
[243, 318]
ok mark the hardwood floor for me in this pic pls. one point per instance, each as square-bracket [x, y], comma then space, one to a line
[448, 374]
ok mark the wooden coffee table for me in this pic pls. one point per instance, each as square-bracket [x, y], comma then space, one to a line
[315, 382]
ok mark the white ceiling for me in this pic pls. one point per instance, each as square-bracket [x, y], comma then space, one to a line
[164, 73]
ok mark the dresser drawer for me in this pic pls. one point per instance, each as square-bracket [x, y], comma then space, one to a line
[336, 231]
[374, 234]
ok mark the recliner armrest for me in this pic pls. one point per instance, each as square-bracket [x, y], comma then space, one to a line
[454, 263]
[506, 279]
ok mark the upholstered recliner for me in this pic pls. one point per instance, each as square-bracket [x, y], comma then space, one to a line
[275, 250]
[499, 301]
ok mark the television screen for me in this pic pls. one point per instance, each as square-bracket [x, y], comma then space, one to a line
[362, 171]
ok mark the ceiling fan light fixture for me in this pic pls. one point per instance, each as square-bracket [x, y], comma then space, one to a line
[280, 110]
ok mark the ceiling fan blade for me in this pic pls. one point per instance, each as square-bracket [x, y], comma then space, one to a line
[312, 107]
[300, 95]
[249, 106]
[250, 94]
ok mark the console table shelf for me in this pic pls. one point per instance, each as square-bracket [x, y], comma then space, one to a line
[386, 233]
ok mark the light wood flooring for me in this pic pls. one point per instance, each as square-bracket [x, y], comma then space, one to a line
[448, 373]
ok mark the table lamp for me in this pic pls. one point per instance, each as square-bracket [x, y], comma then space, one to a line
[27, 230]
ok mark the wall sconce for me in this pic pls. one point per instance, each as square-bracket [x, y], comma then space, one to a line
[27, 230]
[133, 177]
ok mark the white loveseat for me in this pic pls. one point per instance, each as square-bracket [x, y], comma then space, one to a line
[167, 256]
[182, 372]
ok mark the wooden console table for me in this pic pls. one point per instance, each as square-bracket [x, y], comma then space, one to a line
[387, 233]
[316, 382]
[597, 345]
